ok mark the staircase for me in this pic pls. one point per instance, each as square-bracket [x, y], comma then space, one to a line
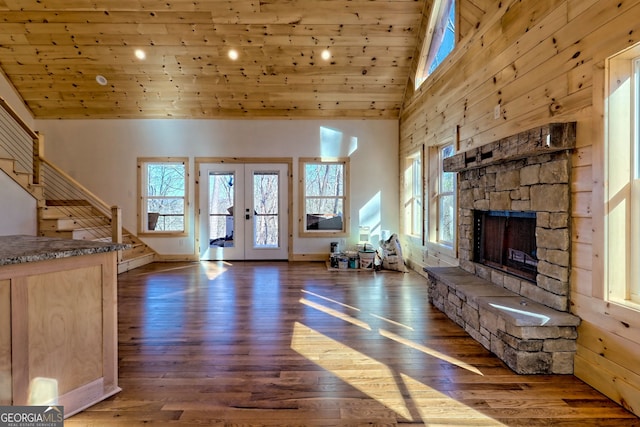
[77, 218]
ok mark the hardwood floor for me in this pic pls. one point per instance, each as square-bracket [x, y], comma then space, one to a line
[275, 344]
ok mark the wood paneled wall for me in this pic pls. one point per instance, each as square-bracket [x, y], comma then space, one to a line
[540, 62]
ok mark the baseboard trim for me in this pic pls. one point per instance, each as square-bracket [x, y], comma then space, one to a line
[310, 257]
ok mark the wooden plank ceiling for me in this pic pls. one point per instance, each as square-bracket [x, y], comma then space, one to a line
[53, 50]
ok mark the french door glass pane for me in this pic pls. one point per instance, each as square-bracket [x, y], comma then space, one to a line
[265, 204]
[221, 201]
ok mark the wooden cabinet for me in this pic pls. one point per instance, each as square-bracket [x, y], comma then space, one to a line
[5, 342]
[58, 331]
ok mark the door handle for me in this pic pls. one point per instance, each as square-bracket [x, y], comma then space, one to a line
[247, 216]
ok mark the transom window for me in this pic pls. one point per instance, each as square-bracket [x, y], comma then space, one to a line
[439, 40]
[163, 195]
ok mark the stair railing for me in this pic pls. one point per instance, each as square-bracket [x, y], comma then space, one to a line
[17, 140]
[25, 147]
[73, 199]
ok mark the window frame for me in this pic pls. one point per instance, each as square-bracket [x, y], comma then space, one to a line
[633, 289]
[429, 51]
[622, 175]
[346, 217]
[143, 197]
[414, 206]
[436, 173]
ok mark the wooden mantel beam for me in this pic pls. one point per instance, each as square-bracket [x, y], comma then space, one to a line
[544, 139]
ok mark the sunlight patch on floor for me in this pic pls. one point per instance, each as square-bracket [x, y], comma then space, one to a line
[214, 269]
[377, 381]
[444, 407]
[431, 352]
[336, 313]
[330, 300]
[393, 322]
[381, 383]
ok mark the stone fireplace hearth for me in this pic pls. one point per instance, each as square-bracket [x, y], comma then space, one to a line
[522, 318]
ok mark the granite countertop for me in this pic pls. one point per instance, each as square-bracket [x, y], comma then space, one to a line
[22, 249]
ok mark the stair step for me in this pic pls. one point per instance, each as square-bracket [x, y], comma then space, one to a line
[131, 240]
[6, 164]
[67, 202]
[68, 224]
[22, 178]
[54, 212]
[89, 233]
[135, 250]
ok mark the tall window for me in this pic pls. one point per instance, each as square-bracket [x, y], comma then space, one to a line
[324, 191]
[442, 203]
[413, 206]
[634, 288]
[163, 195]
[439, 39]
[622, 170]
[446, 200]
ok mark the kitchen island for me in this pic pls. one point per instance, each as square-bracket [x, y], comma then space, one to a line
[58, 322]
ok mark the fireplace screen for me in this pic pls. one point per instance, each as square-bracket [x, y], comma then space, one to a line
[506, 240]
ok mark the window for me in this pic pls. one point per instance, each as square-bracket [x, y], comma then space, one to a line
[163, 195]
[446, 200]
[439, 39]
[622, 174]
[413, 206]
[442, 206]
[324, 190]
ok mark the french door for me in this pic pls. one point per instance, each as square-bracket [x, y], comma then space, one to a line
[243, 211]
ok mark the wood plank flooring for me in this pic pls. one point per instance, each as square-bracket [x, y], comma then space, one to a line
[292, 344]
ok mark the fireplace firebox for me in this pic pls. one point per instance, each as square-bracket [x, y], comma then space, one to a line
[506, 240]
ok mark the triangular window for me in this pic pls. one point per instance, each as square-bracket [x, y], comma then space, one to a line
[439, 40]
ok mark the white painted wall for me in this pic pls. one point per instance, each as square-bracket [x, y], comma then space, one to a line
[18, 210]
[102, 154]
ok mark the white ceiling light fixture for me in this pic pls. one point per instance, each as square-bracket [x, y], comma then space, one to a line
[233, 54]
[140, 54]
[326, 54]
[102, 80]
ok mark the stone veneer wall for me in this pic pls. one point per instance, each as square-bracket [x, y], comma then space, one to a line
[541, 184]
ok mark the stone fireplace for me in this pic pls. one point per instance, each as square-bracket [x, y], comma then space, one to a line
[527, 175]
[511, 289]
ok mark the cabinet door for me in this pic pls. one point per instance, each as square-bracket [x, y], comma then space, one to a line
[5, 343]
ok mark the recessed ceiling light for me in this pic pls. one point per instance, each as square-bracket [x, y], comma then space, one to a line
[102, 80]
[140, 54]
[326, 55]
[233, 54]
